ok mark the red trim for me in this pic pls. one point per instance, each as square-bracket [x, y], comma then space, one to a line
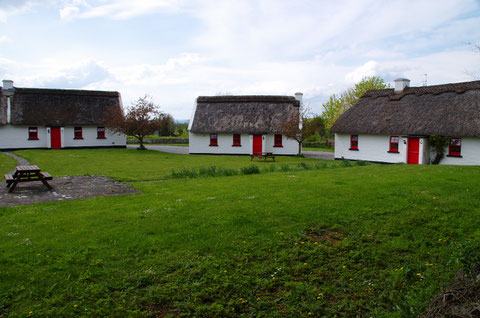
[278, 141]
[354, 142]
[237, 140]
[455, 147]
[101, 133]
[32, 133]
[77, 133]
[213, 140]
[394, 143]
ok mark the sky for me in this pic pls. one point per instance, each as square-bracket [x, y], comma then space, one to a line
[177, 50]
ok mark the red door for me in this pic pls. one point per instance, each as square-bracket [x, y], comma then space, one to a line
[56, 138]
[257, 143]
[413, 151]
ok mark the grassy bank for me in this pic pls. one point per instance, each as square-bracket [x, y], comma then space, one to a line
[354, 241]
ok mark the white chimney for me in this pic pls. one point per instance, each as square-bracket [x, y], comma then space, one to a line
[299, 97]
[8, 90]
[400, 84]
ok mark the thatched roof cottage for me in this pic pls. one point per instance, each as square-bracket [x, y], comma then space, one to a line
[393, 125]
[56, 118]
[243, 124]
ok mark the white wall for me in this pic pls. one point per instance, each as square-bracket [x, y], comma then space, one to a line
[12, 137]
[200, 143]
[17, 137]
[470, 153]
[90, 138]
[371, 148]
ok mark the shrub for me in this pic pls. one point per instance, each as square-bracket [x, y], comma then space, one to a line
[184, 173]
[360, 163]
[286, 167]
[208, 171]
[322, 165]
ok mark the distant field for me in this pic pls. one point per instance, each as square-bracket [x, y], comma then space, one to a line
[366, 241]
[318, 149]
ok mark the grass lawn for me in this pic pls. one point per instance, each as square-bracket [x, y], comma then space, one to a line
[132, 164]
[318, 148]
[7, 164]
[351, 241]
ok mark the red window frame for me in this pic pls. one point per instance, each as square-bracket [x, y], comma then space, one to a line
[354, 142]
[394, 140]
[455, 147]
[101, 133]
[32, 133]
[278, 140]
[77, 133]
[237, 140]
[213, 139]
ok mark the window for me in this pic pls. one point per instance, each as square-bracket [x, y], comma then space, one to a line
[455, 147]
[394, 143]
[237, 140]
[100, 132]
[32, 133]
[354, 142]
[213, 140]
[78, 133]
[277, 141]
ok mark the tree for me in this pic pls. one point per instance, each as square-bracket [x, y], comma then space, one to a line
[301, 127]
[167, 125]
[438, 144]
[140, 120]
[338, 104]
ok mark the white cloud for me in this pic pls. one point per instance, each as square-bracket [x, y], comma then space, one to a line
[366, 70]
[114, 9]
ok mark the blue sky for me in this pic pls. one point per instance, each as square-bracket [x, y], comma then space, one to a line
[176, 50]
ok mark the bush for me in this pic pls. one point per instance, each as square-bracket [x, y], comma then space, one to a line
[208, 171]
[184, 173]
[286, 168]
[305, 166]
[360, 163]
[346, 163]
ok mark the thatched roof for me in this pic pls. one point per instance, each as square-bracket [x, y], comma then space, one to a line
[445, 110]
[60, 107]
[243, 114]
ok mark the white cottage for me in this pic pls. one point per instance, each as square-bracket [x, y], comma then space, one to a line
[56, 118]
[243, 125]
[393, 125]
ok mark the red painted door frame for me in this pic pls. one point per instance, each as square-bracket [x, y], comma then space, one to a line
[55, 138]
[257, 143]
[413, 150]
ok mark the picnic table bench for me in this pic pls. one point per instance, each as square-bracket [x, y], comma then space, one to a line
[262, 155]
[27, 174]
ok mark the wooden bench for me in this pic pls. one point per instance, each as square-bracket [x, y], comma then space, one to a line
[262, 155]
[27, 173]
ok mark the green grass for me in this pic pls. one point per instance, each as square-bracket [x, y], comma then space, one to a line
[319, 148]
[131, 164]
[370, 241]
[7, 164]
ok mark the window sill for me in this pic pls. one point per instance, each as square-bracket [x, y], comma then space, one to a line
[354, 149]
[236, 145]
[393, 151]
[277, 146]
[455, 156]
[101, 138]
[82, 138]
[213, 145]
[32, 138]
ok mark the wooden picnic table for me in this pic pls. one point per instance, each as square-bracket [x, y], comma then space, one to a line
[27, 173]
[262, 155]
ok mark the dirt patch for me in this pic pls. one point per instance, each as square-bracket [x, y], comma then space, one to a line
[460, 300]
[325, 235]
[64, 188]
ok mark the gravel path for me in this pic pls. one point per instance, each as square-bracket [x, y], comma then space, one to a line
[318, 154]
[64, 188]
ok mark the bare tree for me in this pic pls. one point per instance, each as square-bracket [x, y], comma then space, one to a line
[140, 120]
[299, 128]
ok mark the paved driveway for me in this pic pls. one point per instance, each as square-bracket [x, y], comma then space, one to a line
[178, 149]
[171, 149]
[318, 154]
